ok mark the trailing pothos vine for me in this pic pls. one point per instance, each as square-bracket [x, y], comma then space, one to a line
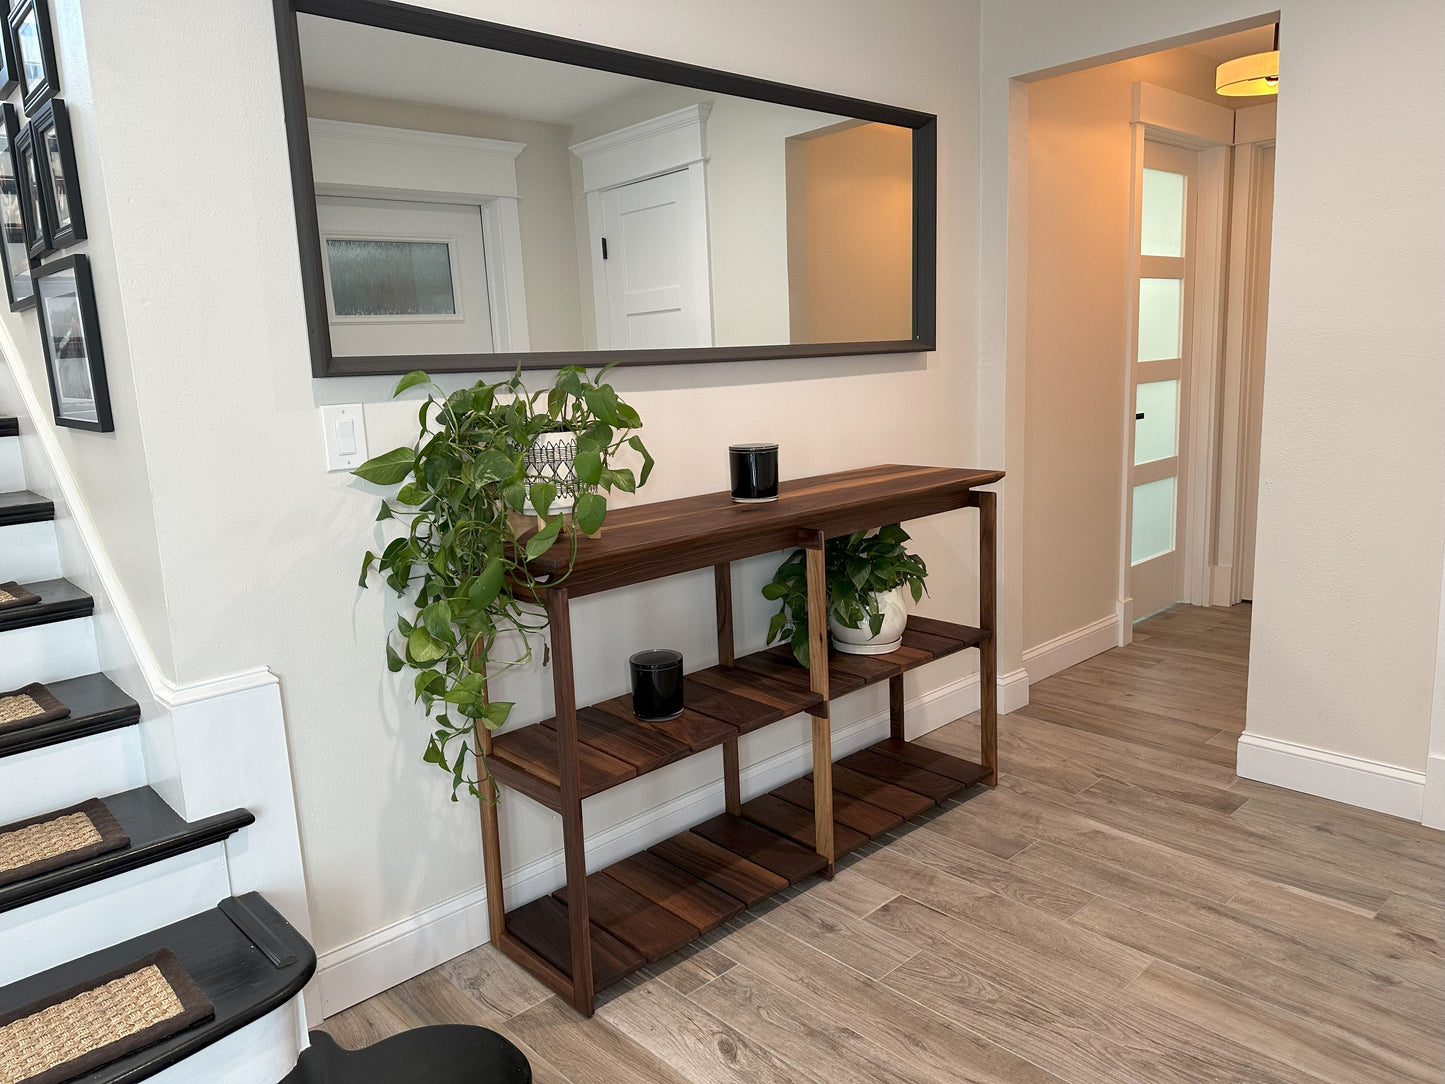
[463, 561]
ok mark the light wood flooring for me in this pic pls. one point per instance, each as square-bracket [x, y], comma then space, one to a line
[1121, 909]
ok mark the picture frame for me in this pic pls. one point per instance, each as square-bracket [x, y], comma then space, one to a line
[55, 149]
[28, 24]
[32, 194]
[14, 249]
[70, 334]
[9, 72]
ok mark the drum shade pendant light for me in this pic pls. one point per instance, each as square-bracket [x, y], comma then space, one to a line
[1250, 75]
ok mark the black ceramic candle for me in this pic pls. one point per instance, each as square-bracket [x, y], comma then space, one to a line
[657, 684]
[754, 472]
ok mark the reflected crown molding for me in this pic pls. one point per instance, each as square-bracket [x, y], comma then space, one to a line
[650, 147]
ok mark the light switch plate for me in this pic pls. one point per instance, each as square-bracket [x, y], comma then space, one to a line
[343, 432]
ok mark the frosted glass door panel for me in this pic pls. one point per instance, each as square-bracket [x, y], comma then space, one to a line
[1161, 310]
[1162, 220]
[1156, 421]
[1153, 533]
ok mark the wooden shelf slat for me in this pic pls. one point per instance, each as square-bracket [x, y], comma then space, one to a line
[739, 877]
[848, 811]
[632, 918]
[768, 849]
[906, 803]
[689, 898]
[919, 780]
[795, 822]
[932, 760]
[541, 926]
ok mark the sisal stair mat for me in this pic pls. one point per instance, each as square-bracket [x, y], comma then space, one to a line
[56, 840]
[13, 596]
[69, 1034]
[28, 706]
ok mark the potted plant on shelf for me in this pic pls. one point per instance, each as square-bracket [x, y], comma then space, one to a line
[869, 576]
[463, 561]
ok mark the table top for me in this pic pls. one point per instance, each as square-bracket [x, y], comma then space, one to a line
[648, 541]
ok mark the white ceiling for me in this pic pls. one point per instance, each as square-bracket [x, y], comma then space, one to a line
[345, 56]
[1260, 39]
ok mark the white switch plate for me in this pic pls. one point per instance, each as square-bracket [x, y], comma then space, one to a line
[343, 431]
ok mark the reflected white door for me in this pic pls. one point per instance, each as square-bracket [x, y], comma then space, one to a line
[404, 277]
[1160, 377]
[654, 273]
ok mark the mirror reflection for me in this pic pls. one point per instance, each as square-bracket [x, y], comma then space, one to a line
[477, 201]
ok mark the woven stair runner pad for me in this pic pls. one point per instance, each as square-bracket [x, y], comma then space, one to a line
[66, 1035]
[55, 840]
[12, 595]
[28, 706]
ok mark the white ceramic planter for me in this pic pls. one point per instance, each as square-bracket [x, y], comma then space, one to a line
[850, 641]
[551, 459]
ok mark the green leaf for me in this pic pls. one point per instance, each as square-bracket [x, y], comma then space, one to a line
[916, 587]
[438, 620]
[384, 513]
[366, 563]
[515, 496]
[488, 585]
[494, 466]
[776, 626]
[619, 479]
[411, 380]
[422, 647]
[412, 494]
[496, 713]
[588, 463]
[542, 541]
[774, 591]
[800, 645]
[589, 512]
[543, 494]
[394, 662]
[637, 446]
[893, 533]
[428, 681]
[387, 469]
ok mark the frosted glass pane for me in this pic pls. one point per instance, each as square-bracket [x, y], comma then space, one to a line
[1156, 434]
[1161, 310]
[390, 278]
[1163, 214]
[1153, 520]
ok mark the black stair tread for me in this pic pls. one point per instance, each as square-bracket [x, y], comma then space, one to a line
[9, 427]
[22, 506]
[235, 975]
[60, 600]
[96, 705]
[156, 832]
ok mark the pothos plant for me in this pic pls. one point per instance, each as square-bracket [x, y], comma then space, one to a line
[462, 562]
[857, 568]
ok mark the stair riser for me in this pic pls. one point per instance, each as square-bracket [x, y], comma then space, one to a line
[12, 471]
[62, 775]
[86, 919]
[61, 649]
[259, 1053]
[28, 552]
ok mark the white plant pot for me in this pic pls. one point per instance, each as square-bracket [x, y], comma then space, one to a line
[852, 641]
[551, 459]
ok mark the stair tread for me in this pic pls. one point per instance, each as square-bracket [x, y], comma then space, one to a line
[60, 600]
[23, 506]
[156, 832]
[9, 427]
[96, 705]
[235, 974]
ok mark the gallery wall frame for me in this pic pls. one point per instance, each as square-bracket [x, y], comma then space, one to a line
[9, 70]
[70, 335]
[55, 149]
[411, 19]
[33, 48]
[32, 195]
[14, 251]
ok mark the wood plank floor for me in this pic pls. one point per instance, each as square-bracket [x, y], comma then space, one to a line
[1121, 909]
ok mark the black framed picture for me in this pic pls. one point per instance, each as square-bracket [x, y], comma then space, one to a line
[64, 216]
[70, 333]
[31, 176]
[34, 51]
[14, 251]
[9, 72]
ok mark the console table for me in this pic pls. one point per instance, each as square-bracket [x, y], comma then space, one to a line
[603, 926]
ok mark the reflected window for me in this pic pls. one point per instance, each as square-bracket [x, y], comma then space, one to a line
[390, 278]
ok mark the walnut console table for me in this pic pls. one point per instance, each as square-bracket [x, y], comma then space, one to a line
[604, 926]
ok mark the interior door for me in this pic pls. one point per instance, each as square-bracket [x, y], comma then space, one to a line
[404, 277]
[655, 298]
[1160, 376]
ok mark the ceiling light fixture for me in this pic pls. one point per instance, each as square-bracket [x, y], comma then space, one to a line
[1250, 75]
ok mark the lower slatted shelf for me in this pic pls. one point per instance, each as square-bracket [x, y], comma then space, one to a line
[650, 905]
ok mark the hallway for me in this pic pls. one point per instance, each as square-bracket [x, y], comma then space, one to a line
[1120, 908]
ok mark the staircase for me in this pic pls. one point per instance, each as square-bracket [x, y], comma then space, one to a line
[171, 886]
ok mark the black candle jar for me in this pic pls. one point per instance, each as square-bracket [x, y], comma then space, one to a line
[657, 684]
[754, 469]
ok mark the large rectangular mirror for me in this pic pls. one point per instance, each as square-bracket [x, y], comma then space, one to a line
[471, 196]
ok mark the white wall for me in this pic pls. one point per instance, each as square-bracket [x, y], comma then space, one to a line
[260, 548]
[1352, 494]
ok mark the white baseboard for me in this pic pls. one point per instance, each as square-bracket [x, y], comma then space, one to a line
[1433, 815]
[1071, 648]
[356, 971]
[1369, 784]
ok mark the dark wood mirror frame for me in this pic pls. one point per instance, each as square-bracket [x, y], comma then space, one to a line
[408, 19]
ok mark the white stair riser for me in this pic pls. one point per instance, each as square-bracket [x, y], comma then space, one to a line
[28, 552]
[53, 652]
[260, 1053]
[62, 775]
[49, 932]
[12, 470]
